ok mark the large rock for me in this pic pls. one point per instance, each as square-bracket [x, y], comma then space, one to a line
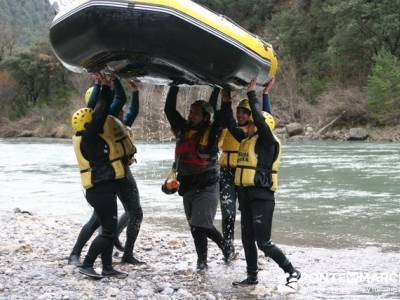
[357, 134]
[294, 129]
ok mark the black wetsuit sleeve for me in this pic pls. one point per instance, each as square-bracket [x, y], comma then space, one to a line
[133, 109]
[175, 119]
[267, 104]
[213, 100]
[100, 113]
[119, 99]
[216, 127]
[262, 128]
[93, 96]
[229, 122]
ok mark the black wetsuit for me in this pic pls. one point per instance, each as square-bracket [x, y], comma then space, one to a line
[227, 189]
[102, 196]
[257, 203]
[127, 191]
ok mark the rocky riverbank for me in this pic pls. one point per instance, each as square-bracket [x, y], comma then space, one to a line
[34, 127]
[33, 266]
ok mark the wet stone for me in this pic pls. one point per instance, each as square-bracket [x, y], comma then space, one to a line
[168, 291]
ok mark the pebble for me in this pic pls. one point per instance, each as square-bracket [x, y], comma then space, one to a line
[167, 291]
[112, 292]
[144, 292]
[184, 293]
[208, 296]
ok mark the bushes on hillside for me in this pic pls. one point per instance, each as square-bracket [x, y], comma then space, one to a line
[384, 89]
[38, 79]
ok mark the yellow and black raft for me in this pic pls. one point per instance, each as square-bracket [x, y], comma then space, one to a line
[170, 39]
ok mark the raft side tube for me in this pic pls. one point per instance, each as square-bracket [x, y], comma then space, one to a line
[153, 41]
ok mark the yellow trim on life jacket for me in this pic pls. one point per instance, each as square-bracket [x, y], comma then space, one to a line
[247, 163]
[83, 163]
[230, 147]
[132, 140]
[204, 138]
[117, 137]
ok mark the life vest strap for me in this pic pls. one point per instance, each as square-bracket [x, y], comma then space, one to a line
[256, 168]
[89, 169]
[121, 139]
[86, 170]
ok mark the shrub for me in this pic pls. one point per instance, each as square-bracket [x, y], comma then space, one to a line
[383, 89]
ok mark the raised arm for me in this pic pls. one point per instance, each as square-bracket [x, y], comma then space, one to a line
[266, 99]
[227, 118]
[100, 111]
[263, 130]
[133, 110]
[95, 91]
[213, 100]
[175, 119]
[119, 99]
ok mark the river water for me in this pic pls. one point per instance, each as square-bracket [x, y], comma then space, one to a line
[333, 196]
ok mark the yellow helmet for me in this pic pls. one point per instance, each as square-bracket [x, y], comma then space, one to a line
[88, 94]
[81, 118]
[269, 119]
[245, 104]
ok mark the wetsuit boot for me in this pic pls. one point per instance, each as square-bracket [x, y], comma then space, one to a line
[89, 271]
[109, 271]
[131, 260]
[250, 280]
[200, 243]
[293, 277]
[74, 260]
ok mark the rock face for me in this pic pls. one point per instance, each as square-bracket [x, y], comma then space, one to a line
[294, 129]
[357, 134]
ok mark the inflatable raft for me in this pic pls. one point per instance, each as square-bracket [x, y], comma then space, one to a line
[169, 39]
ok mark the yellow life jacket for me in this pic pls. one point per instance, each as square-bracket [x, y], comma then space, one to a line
[120, 147]
[230, 147]
[248, 165]
[121, 138]
[131, 137]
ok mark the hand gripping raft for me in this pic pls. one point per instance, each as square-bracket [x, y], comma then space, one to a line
[169, 39]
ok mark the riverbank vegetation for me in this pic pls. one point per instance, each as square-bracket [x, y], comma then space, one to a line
[338, 65]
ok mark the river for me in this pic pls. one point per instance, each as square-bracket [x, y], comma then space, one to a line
[333, 196]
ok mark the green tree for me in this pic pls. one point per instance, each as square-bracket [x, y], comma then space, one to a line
[250, 14]
[362, 28]
[29, 18]
[384, 89]
[40, 77]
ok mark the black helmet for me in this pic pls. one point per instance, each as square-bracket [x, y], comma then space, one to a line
[207, 108]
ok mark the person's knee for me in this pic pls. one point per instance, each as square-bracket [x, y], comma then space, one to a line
[266, 246]
[138, 215]
[197, 231]
[109, 235]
